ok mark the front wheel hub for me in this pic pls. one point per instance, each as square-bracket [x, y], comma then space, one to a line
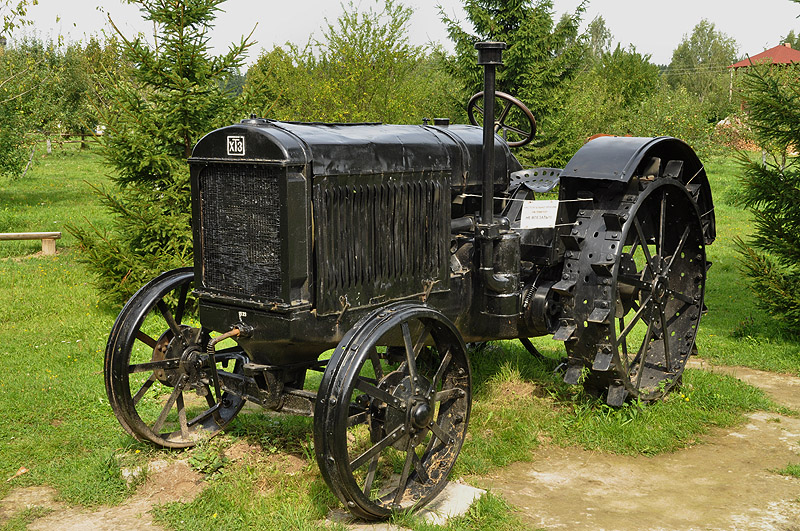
[421, 415]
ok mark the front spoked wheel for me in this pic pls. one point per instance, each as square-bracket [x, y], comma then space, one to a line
[159, 379]
[392, 410]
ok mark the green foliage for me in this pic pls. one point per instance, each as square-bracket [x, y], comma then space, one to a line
[605, 98]
[772, 192]
[792, 38]
[673, 112]
[363, 69]
[12, 14]
[57, 90]
[699, 64]
[46, 90]
[792, 470]
[12, 136]
[598, 39]
[155, 107]
[629, 74]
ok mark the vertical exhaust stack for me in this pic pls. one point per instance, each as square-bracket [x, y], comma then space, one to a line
[499, 248]
[490, 55]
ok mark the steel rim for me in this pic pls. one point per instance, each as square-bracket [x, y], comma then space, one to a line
[641, 299]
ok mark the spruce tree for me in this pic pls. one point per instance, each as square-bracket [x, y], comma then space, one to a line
[542, 55]
[167, 94]
[772, 191]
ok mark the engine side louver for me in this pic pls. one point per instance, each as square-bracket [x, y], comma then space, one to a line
[379, 239]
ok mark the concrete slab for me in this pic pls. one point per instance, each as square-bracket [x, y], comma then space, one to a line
[454, 501]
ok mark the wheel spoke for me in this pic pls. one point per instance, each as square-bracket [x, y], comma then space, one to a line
[143, 389]
[635, 282]
[665, 338]
[645, 247]
[168, 407]
[624, 346]
[662, 226]
[642, 354]
[147, 340]
[182, 416]
[381, 445]
[152, 365]
[376, 364]
[173, 325]
[376, 392]
[181, 303]
[439, 433]
[401, 488]
[213, 410]
[448, 394]
[209, 397]
[419, 467]
[421, 340]
[358, 418]
[411, 355]
[679, 248]
[634, 245]
[636, 317]
[437, 378]
[373, 467]
[680, 296]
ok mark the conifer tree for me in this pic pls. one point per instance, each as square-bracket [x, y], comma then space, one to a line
[772, 191]
[168, 93]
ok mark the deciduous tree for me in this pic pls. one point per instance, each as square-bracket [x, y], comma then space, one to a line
[363, 68]
[700, 63]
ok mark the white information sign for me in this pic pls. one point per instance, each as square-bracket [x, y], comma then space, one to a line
[539, 214]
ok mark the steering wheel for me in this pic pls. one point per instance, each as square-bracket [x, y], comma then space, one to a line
[520, 124]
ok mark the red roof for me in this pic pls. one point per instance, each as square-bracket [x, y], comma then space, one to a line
[781, 55]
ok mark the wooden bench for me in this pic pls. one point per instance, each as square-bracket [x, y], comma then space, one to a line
[48, 239]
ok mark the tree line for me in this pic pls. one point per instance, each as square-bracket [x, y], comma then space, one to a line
[362, 67]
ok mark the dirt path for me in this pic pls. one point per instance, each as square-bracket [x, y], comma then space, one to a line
[166, 481]
[723, 484]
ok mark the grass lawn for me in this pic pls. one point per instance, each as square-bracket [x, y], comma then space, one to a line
[59, 426]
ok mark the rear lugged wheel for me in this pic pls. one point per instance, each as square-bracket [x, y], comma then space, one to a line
[159, 378]
[637, 304]
[392, 410]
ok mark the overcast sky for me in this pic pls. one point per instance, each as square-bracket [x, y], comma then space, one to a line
[655, 27]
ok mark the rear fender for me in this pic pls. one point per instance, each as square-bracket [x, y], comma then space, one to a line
[618, 159]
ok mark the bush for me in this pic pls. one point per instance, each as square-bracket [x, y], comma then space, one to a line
[363, 70]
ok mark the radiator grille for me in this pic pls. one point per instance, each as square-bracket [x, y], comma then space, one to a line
[380, 240]
[241, 230]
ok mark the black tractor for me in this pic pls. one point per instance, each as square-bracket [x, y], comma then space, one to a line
[339, 270]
